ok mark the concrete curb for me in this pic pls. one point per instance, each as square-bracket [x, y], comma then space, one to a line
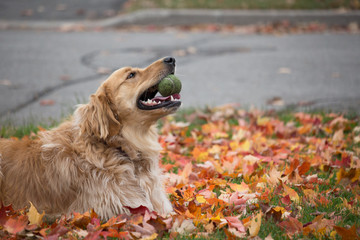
[166, 17]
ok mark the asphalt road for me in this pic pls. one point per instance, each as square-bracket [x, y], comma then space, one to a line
[45, 74]
[58, 9]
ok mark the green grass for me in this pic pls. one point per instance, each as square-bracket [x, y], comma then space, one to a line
[8, 130]
[244, 4]
[269, 226]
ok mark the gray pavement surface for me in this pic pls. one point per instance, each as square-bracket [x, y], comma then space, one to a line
[55, 10]
[171, 17]
[45, 74]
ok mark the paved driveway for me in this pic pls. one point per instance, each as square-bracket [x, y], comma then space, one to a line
[45, 74]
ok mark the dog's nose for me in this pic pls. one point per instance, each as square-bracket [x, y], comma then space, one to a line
[169, 60]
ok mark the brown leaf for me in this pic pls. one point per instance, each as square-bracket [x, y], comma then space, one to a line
[276, 101]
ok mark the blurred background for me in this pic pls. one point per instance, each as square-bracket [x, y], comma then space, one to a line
[269, 54]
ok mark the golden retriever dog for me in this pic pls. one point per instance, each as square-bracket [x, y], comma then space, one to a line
[106, 157]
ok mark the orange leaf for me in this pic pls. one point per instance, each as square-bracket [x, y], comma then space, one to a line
[347, 234]
[243, 187]
[291, 192]
[304, 168]
[305, 129]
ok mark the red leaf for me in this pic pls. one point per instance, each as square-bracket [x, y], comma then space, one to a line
[139, 210]
[236, 223]
[93, 235]
[286, 200]
[3, 214]
[15, 225]
[52, 237]
[344, 162]
[47, 102]
[291, 225]
[59, 230]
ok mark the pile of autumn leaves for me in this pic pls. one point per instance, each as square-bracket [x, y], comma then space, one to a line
[229, 172]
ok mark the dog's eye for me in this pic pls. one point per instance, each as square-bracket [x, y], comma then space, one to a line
[131, 75]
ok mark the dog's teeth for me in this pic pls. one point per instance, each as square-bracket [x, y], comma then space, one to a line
[151, 102]
[172, 98]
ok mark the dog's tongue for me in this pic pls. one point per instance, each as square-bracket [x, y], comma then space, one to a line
[162, 99]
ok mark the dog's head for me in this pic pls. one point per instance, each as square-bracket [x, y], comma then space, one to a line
[128, 96]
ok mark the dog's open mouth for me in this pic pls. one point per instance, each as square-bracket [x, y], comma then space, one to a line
[149, 100]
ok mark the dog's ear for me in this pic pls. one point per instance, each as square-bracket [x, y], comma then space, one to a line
[98, 118]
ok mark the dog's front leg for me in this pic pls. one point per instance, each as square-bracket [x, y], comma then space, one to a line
[112, 199]
[160, 201]
[158, 196]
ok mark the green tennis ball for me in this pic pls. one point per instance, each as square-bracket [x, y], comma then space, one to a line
[177, 83]
[166, 87]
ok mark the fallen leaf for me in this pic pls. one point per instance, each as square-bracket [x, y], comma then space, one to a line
[236, 223]
[34, 216]
[186, 226]
[5, 82]
[276, 101]
[291, 192]
[347, 234]
[284, 70]
[255, 225]
[16, 224]
[47, 102]
[291, 225]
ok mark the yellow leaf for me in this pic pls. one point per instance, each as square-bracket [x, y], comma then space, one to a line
[216, 219]
[34, 216]
[203, 156]
[243, 187]
[217, 166]
[245, 146]
[356, 175]
[234, 145]
[216, 149]
[255, 225]
[152, 237]
[200, 199]
[278, 209]
[262, 121]
[304, 129]
[238, 136]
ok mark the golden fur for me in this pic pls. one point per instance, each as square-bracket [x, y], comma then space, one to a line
[105, 157]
